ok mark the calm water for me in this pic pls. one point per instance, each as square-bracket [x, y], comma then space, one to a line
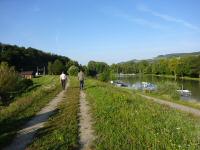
[193, 86]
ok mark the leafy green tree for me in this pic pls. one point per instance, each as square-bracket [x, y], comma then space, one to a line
[71, 63]
[142, 66]
[104, 76]
[50, 66]
[73, 71]
[173, 66]
[95, 68]
[57, 67]
[195, 66]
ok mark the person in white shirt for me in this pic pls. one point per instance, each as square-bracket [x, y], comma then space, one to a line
[63, 80]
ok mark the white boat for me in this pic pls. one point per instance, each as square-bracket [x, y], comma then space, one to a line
[185, 92]
[144, 86]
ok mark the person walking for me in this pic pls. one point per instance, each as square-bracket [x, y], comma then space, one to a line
[81, 77]
[63, 80]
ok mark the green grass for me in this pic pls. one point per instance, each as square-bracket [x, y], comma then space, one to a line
[166, 97]
[126, 121]
[61, 131]
[24, 107]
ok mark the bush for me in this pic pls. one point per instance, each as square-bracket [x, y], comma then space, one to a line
[73, 71]
[24, 84]
[105, 76]
[169, 88]
[8, 80]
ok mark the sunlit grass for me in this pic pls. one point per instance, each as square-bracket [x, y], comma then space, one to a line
[127, 121]
[24, 107]
[167, 97]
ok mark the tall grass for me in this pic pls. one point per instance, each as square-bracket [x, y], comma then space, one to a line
[61, 131]
[26, 106]
[126, 121]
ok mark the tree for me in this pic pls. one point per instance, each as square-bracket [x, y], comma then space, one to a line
[95, 68]
[57, 67]
[50, 66]
[195, 67]
[142, 66]
[173, 66]
[73, 71]
[71, 63]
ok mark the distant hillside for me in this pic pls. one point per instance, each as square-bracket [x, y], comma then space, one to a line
[135, 61]
[27, 58]
[177, 55]
[162, 56]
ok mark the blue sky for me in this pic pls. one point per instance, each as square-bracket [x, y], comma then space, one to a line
[102, 30]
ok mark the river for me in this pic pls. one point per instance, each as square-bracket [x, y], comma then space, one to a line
[192, 85]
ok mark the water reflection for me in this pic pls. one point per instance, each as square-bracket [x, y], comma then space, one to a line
[191, 85]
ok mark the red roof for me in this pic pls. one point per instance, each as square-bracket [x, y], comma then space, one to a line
[27, 73]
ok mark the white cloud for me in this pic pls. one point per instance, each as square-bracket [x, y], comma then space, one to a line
[168, 18]
[138, 20]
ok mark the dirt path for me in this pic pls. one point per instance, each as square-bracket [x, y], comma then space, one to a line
[86, 132]
[188, 109]
[27, 133]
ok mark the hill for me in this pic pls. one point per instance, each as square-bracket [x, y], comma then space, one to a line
[161, 57]
[177, 55]
[27, 58]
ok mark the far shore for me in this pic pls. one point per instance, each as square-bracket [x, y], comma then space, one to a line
[171, 76]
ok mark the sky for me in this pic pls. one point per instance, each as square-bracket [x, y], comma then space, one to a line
[102, 30]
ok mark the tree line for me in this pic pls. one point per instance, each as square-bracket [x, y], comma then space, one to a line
[177, 66]
[28, 59]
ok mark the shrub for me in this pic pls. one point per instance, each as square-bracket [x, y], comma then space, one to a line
[24, 84]
[169, 88]
[73, 71]
[105, 76]
[8, 80]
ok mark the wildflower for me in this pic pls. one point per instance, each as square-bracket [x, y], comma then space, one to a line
[178, 128]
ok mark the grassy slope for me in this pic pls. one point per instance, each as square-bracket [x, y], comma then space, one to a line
[24, 107]
[127, 121]
[166, 97]
[61, 131]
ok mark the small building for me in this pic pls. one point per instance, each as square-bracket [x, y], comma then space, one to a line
[27, 74]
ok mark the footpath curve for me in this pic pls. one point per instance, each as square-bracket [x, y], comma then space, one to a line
[187, 109]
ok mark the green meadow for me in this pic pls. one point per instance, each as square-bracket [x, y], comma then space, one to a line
[124, 120]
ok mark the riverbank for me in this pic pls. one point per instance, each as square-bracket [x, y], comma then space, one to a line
[166, 97]
[124, 120]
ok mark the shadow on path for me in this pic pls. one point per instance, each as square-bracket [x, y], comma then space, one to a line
[27, 133]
